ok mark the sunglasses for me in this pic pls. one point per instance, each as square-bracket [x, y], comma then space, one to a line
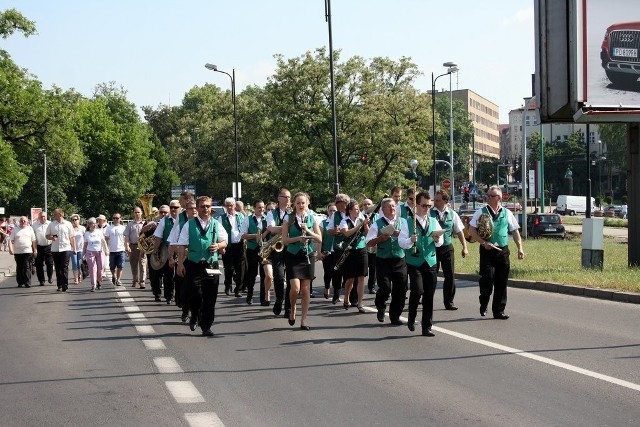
[174, 207]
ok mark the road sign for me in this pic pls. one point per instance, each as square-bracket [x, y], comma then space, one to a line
[505, 197]
[446, 183]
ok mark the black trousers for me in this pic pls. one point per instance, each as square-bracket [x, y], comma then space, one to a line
[423, 284]
[43, 258]
[234, 265]
[155, 276]
[254, 267]
[392, 280]
[494, 275]
[168, 280]
[277, 262]
[337, 278]
[203, 291]
[23, 268]
[446, 261]
[61, 262]
[327, 267]
[372, 271]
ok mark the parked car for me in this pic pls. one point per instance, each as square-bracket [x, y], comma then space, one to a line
[612, 208]
[512, 206]
[545, 224]
[619, 53]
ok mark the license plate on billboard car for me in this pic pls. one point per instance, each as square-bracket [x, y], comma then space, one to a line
[626, 52]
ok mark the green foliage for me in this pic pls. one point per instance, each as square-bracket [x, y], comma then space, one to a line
[11, 21]
[13, 174]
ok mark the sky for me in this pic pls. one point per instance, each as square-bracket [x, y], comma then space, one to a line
[156, 49]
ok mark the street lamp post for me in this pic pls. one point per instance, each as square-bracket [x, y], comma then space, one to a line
[232, 76]
[452, 69]
[327, 17]
[44, 155]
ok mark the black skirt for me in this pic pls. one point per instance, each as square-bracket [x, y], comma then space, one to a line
[297, 266]
[356, 264]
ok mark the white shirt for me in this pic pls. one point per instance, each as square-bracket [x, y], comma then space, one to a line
[513, 222]
[160, 228]
[244, 229]
[41, 230]
[221, 233]
[175, 233]
[424, 223]
[271, 217]
[115, 237]
[64, 230]
[22, 239]
[458, 226]
[343, 224]
[235, 229]
[93, 240]
[403, 239]
[79, 236]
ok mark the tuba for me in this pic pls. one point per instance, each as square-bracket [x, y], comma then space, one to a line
[145, 241]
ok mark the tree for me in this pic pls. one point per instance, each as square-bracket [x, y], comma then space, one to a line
[11, 21]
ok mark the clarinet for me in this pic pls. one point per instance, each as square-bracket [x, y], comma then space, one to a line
[357, 235]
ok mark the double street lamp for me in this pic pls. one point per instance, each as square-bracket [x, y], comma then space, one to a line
[232, 76]
[451, 68]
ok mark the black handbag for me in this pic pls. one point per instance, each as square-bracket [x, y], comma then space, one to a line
[84, 268]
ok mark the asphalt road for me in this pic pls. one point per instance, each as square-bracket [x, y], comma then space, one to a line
[119, 358]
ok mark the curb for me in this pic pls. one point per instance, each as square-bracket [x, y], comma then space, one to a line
[561, 288]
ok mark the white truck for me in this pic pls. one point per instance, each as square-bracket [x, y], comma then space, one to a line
[571, 205]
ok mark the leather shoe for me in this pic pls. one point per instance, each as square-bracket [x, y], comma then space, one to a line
[380, 315]
[501, 316]
[207, 333]
[265, 303]
[305, 327]
[277, 308]
[411, 326]
[428, 333]
[184, 317]
[483, 310]
[451, 307]
[326, 294]
[249, 301]
[238, 294]
[227, 290]
[26, 285]
[193, 323]
[157, 296]
[372, 291]
[396, 322]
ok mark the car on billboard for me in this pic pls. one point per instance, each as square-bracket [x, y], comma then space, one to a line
[619, 53]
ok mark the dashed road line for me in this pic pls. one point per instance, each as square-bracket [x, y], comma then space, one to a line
[184, 392]
[167, 365]
[131, 308]
[145, 329]
[137, 317]
[202, 419]
[154, 344]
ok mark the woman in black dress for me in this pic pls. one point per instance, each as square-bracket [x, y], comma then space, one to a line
[299, 231]
[356, 266]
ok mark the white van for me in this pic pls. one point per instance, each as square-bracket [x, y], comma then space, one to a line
[571, 205]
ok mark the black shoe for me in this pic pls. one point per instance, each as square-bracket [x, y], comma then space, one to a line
[265, 303]
[483, 310]
[286, 314]
[277, 308]
[50, 281]
[335, 300]
[227, 290]
[59, 289]
[249, 301]
[193, 323]
[157, 296]
[451, 307]
[184, 317]
[207, 333]
[411, 326]
[396, 322]
[428, 333]
[500, 316]
[26, 285]
[41, 283]
[64, 288]
[168, 301]
[19, 285]
[346, 305]
[237, 293]
[305, 327]
[326, 294]
[372, 291]
[380, 315]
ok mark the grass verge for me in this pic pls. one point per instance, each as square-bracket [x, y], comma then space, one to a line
[554, 260]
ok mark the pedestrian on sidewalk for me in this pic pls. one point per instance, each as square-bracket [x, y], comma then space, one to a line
[22, 245]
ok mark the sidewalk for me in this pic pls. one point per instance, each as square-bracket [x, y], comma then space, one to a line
[7, 264]
[620, 234]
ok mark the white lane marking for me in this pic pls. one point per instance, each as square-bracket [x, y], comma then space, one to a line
[123, 294]
[184, 392]
[131, 308]
[137, 317]
[145, 329]
[126, 300]
[202, 419]
[167, 365]
[153, 343]
[528, 355]
[542, 359]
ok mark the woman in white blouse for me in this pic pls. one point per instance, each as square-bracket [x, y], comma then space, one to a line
[94, 245]
[76, 257]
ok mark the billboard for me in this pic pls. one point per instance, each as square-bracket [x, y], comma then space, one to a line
[587, 60]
